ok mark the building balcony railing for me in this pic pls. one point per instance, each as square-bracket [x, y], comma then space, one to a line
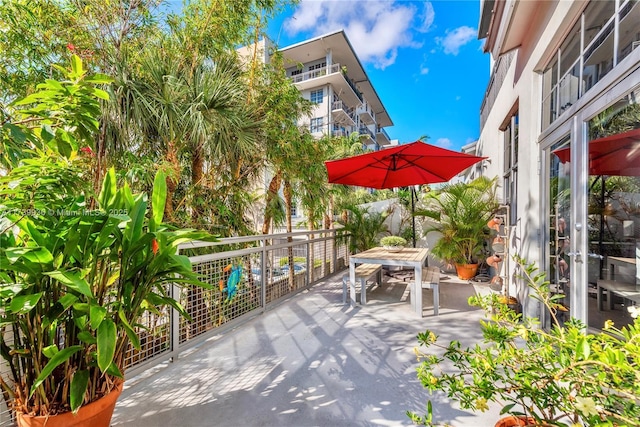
[498, 74]
[366, 114]
[343, 114]
[363, 130]
[382, 137]
[330, 70]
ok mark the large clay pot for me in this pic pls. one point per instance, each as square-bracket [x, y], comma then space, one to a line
[466, 271]
[95, 414]
[494, 223]
[512, 421]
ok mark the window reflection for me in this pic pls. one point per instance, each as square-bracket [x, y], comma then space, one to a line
[559, 217]
[614, 212]
[579, 65]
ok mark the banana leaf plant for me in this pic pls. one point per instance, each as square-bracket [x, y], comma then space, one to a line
[75, 280]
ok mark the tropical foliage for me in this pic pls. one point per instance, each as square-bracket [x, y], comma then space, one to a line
[363, 228]
[393, 241]
[461, 212]
[558, 377]
[182, 101]
[75, 276]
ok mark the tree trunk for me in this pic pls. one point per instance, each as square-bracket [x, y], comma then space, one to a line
[99, 165]
[287, 202]
[197, 166]
[172, 183]
[272, 192]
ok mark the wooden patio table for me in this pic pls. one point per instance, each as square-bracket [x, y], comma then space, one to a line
[406, 257]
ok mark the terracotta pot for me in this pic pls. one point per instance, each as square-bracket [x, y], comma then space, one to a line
[95, 414]
[497, 281]
[494, 223]
[493, 261]
[498, 244]
[466, 271]
[512, 421]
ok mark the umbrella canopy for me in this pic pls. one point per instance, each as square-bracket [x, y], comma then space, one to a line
[400, 166]
[615, 155]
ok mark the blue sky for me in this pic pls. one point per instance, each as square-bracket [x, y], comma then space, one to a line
[423, 58]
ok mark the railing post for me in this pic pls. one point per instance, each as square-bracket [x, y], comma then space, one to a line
[174, 333]
[263, 273]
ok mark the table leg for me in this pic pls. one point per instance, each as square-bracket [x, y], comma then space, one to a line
[599, 297]
[418, 290]
[611, 273]
[609, 299]
[352, 282]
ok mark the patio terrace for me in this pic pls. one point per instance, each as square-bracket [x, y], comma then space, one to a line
[310, 360]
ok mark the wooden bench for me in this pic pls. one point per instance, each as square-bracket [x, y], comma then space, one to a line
[363, 273]
[629, 291]
[431, 280]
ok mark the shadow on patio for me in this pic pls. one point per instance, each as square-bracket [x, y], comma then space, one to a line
[310, 361]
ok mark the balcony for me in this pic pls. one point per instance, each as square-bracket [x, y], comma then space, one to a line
[498, 74]
[331, 75]
[342, 114]
[382, 137]
[367, 116]
[367, 135]
[308, 357]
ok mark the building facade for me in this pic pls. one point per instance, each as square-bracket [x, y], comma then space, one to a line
[327, 71]
[560, 122]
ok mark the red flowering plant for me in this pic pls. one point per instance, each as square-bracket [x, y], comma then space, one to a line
[75, 281]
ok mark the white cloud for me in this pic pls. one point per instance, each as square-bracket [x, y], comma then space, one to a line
[457, 38]
[424, 69]
[376, 29]
[444, 142]
[426, 17]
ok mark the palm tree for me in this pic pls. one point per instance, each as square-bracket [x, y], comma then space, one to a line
[363, 228]
[281, 104]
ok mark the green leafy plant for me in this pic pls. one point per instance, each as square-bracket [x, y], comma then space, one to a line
[75, 280]
[461, 212]
[557, 377]
[393, 241]
[363, 228]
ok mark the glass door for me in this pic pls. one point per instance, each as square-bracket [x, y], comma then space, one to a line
[559, 218]
[614, 213]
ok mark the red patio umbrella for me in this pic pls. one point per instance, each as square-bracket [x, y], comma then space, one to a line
[401, 166]
[615, 155]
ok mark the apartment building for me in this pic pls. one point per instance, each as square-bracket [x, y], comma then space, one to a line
[327, 71]
[560, 122]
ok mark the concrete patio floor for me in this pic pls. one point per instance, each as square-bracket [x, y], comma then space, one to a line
[311, 361]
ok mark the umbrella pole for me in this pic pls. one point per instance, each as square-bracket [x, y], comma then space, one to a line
[413, 218]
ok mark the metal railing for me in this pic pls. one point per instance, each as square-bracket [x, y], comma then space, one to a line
[330, 69]
[340, 105]
[248, 275]
[364, 130]
[383, 131]
[498, 74]
[267, 268]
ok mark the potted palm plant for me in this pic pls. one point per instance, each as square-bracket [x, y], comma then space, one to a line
[562, 376]
[75, 278]
[460, 213]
